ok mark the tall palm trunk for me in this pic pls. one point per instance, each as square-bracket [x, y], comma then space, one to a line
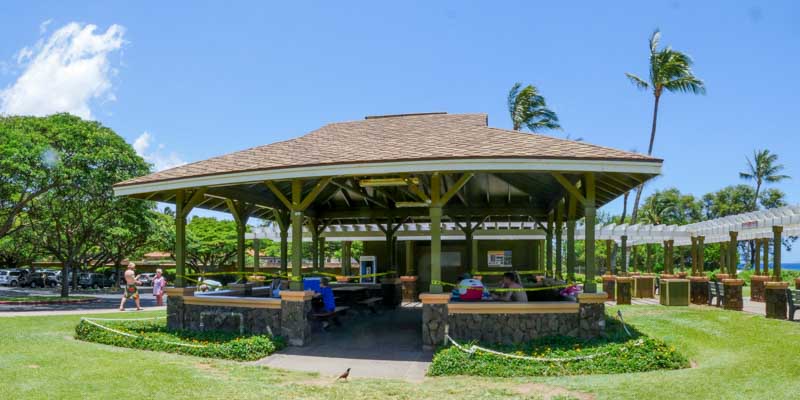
[635, 212]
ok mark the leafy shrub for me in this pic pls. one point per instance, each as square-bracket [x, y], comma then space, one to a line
[154, 335]
[616, 353]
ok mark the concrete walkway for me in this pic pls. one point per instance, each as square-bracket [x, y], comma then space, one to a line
[387, 345]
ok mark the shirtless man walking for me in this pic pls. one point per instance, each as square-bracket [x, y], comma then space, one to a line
[131, 290]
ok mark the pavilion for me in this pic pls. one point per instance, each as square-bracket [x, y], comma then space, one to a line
[450, 171]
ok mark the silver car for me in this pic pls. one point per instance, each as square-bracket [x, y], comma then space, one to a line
[13, 277]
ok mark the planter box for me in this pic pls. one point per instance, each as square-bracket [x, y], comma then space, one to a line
[644, 287]
[674, 292]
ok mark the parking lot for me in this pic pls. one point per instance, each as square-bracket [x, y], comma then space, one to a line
[105, 300]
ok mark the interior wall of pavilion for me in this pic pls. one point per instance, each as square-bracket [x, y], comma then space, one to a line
[454, 257]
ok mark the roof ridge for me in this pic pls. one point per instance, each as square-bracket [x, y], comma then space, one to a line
[573, 142]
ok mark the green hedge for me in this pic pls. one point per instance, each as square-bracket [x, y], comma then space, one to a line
[617, 353]
[154, 335]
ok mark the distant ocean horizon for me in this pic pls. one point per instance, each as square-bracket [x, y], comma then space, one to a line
[791, 266]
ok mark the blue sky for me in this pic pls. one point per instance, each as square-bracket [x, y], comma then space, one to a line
[206, 79]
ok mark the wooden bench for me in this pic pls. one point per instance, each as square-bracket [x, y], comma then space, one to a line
[371, 303]
[716, 290]
[793, 300]
[333, 316]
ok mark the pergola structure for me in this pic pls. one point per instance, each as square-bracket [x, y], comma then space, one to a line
[398, 169]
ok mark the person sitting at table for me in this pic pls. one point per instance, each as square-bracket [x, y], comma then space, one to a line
[510, 282]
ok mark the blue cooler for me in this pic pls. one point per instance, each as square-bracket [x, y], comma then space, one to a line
[312, 284]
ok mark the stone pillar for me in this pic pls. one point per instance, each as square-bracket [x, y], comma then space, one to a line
[624, 290]
[434, 319]
[733, 294]
[409, 288]
[698, 290]
[757, 287]
[295, 314]
[609, 286]
[175, 309]
[592, 314]
[733, 258]
[776, 301]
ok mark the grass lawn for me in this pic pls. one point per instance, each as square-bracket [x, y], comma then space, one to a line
[737, 356]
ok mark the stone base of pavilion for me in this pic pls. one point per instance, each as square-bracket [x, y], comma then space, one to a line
[698, 290]
[775, 295]
[644, 286]
[624, 284]
[508, 323]
[733, 294]
[757, 287]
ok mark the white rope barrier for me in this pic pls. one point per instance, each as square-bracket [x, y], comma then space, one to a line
[473, 348]
[118, 332]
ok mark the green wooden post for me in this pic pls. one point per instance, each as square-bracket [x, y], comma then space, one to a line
[609, 244]
[241, 227]
[666, 257]
[436, 249]
[549, 245]
[648, 258]
[410, 258]
[732, 258]
[180, 239]
[389, 247]
[623, 257]
[766, 256]
[757, 257]
[590, 216]
[571, 256]
[346, 256]
[284, 250]
[723, 258]
[321, 253]
[776, 267]
[296, 280]
[559, 236]
[474, 259]
[701, 255]
[256, 245]
[468, 239]
[535, 255]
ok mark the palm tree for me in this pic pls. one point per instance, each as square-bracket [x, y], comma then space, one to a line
[527, 107]
[670, 70]
[763, 168]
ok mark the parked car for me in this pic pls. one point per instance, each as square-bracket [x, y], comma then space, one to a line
[13, 277]
[147, 279]
[94, 280]
[43, 279]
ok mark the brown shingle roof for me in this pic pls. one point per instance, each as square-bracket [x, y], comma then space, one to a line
[395, 138]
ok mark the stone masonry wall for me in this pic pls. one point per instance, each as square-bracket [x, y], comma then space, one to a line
[511, 328]
[295, 323]
[587, 322]
[434, 319]
[175, 312]
[232, 319]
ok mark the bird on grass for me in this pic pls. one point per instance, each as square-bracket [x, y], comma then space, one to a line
[344, 375]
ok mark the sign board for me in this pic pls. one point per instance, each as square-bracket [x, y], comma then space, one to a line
[499, 258]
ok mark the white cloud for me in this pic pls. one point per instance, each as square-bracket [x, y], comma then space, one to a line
[65, 72]
[43, 26]
[160, 159]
